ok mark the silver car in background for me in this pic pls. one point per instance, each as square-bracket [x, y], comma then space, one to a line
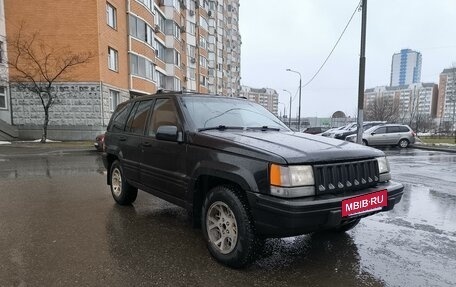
[389, 134]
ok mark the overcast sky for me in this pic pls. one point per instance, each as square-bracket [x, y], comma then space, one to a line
[299, 34]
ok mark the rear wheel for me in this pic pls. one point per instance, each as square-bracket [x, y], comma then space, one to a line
[403, 143]
[122, 192]
[228, 227]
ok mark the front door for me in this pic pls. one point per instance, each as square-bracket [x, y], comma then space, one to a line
[163, 165]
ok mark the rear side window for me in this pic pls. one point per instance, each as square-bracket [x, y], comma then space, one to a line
[164, 114]
[137, 121]
[393, 129]
[119, 118]
[404, 129]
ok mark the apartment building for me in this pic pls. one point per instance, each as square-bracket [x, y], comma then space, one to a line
[406, 68]
[420, 98]
[446, 106]
[139, 46]
[268, 98]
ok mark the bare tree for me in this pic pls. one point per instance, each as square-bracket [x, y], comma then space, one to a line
[383, 109]
[37, 67]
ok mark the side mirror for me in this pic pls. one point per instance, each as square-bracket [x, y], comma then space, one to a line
[168, 133]
[373, 133]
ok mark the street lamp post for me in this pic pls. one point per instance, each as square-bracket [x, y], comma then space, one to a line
[299, 108]
[289, 116]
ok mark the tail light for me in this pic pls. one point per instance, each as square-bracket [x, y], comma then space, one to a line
[413, 134]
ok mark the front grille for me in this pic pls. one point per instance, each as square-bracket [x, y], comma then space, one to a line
[345, 176]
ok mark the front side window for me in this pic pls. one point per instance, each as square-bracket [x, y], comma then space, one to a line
[113, 59]
[114, 99]
[381, 130]
[2, 97]
[164, 114]
[111, 15]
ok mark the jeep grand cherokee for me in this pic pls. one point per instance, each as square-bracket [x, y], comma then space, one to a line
[242, 174]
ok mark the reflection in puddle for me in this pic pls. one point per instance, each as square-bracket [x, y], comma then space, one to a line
[51, 166]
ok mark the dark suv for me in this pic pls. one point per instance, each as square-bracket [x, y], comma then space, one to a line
[242, 174]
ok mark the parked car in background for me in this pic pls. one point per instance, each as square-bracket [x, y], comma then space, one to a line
[342, 134]
[388, 134]
[315, 130]
[330, 131]
[99, 142]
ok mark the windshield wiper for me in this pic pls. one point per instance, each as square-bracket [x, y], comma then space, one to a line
[220, 128]
[263, 128]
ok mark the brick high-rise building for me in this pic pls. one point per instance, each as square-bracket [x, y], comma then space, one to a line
[268, 98]
[139, 46]
[446, 104]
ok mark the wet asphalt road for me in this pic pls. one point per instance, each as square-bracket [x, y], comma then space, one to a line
[60, 227]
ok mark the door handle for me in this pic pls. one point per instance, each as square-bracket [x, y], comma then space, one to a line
[122, 139]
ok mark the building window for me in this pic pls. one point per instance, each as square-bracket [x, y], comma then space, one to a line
[160, 51]
[1, 52]
[111, 15]
[203, 80]
[191, 28]
[147, 3]
[113, 60]
[203, 62]
[142, 67]
[177, 31]
[203, 23]
[141, 30]
[160, 21]
[177, 58]
[191, 73]
[177, 84]
[203, 42]
[161, 80]
[114, 99]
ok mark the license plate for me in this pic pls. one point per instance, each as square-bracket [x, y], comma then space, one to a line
[365, 203]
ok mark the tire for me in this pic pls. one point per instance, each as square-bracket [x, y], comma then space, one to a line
[347, 226]
[122, 192]
[365, 142]
[228, 227]
[403, 143]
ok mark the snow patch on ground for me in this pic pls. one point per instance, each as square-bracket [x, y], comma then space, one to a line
[47, 140]
[3, 142]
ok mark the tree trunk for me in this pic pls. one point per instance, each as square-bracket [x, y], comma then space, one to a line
[45, 125]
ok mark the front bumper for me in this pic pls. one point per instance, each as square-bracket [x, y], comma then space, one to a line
[279, 217]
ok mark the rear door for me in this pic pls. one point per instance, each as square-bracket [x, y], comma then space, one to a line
[393, 134]
[131, 147]
[163, 164]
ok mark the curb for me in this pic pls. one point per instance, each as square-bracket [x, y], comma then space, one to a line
[434, 148]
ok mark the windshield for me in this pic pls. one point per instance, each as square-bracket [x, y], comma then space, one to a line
[210, 112]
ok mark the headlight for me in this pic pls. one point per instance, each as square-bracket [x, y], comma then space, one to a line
[297, 175]
[383, 164]
[291, 181]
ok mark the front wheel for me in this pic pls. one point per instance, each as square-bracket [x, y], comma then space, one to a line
[122, 192]
[403, 143]
[228, 227]
[364, 142]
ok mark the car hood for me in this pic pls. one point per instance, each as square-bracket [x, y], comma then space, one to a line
[287, 147]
